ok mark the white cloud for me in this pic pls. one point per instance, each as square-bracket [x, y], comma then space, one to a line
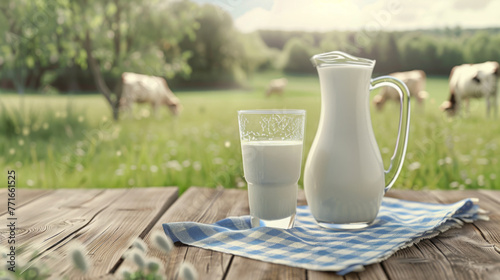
[324, 15]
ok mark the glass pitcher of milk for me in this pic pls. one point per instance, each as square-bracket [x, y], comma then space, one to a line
[344, 176]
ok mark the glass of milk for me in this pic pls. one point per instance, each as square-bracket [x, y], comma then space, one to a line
[272, 144]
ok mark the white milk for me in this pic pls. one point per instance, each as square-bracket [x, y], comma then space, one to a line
[344, 176]
[272, 170]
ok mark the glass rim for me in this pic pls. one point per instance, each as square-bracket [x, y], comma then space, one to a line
[273, 111]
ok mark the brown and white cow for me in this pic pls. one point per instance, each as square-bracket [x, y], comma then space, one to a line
[276, 86]
[473, 81]
[414, 80]
[138, 88]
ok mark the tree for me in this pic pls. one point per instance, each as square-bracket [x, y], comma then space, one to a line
[118, 35]
[297, 54]
[28, 47]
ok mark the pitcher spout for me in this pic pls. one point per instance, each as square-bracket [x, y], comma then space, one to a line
[340, 58]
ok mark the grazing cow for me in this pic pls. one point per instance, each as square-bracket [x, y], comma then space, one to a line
[414, 80]
[472, 81]
[137, 88]
[276, 86]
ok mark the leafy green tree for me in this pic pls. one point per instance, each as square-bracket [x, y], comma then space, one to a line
[297, 54]
[28, 41]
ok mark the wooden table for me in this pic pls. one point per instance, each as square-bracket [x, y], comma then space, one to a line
[107, 221]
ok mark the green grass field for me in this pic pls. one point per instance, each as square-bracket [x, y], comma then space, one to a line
[68, 141]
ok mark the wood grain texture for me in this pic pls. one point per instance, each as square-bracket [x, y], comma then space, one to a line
[193, 205]
[108, 221]
[105, 222]
[23, 197]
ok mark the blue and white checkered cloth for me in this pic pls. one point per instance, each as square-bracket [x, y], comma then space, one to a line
[399, 224]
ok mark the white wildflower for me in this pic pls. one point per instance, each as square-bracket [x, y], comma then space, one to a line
[227, 144]
[78, 257]
[482, 161]
[414, 165]
[119, 172]
[140, 244]
[197, 165]
[79, 167]
[12, 151]
[186, 163]
[187, 272]
[493, 176]
[153, 265]
[162, 242]
[448, 160]
[30, 182]
[20, 142]
[218, 160]
[153, 168]
[118, 153]
[133, 167]
[454, 185]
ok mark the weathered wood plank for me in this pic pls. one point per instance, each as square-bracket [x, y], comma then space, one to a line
[244, 268]
[193, 205]
[112, 220]
[46, 221]
[422, 260]
[466, 252]
[475, 249]
[23, 197]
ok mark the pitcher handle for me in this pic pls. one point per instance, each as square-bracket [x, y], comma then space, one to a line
[404, 93]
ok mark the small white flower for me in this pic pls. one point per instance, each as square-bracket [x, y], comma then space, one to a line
[140, 244]
[448, 160]
[79, 167]
[440, 162]
[45, 126]
[468, 181]
[133, 167]
[197, 165]
[20, 142]
[414, 165]
[187, 272]
[454, 185]
[81, 119]
[78, 257]
[119, 172]
[30, 182]
[218, 160]
[153, 168]
[227, 144]
[186, 163]
[118, 153]
[162, 242]
[79, 152]
[482, 161]
[153, 265]
[493, 176]
[12, 151]
[384, 150]
[174, 164]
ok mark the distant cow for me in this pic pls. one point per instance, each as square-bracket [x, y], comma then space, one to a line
[276, 86]
[472, 81]
[414, 80]
[138, 88]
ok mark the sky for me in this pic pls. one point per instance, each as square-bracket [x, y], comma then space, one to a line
[325, 15]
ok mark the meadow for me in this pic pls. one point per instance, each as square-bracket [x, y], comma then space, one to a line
[70, 141]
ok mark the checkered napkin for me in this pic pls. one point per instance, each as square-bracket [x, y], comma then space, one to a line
[399, 224]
